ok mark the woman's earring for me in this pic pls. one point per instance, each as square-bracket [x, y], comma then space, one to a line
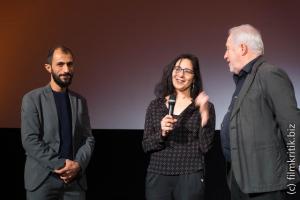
[192, 89]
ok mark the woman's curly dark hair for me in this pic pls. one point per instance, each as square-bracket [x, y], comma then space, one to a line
[165, 86]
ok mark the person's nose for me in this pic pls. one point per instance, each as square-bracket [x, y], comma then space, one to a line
[66, 68]
[225, 55]
[181, 72]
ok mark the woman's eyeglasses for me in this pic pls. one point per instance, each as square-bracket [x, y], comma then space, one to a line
[178, 69]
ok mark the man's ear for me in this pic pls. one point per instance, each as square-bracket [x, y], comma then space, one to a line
[48, 67]
[244, 49]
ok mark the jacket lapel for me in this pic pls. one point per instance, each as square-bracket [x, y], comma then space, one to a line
[246, 86]
[51, 103]
[73, 110]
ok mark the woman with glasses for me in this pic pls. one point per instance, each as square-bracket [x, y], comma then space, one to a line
[176, 141]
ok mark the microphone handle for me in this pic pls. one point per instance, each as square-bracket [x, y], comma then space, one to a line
[171, 109]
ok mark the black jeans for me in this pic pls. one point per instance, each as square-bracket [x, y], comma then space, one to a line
[178, 187]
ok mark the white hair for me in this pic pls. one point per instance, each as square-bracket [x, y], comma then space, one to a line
[248, 35]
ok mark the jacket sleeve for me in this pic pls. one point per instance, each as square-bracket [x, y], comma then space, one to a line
[152, 139]
[208, 131]
[87, 143]
[32, 134]
[281, 96]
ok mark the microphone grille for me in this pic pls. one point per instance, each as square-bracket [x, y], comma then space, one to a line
[172, 99]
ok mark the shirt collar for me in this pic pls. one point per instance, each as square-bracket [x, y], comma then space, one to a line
[245, 70]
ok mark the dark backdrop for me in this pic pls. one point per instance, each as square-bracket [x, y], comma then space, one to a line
[116, 171]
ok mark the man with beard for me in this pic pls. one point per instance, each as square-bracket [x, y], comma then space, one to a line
[56, 134]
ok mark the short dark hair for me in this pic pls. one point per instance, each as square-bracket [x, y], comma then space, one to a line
[165, 86]
[63, 48]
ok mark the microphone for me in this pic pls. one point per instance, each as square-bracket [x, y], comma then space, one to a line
[171, 102]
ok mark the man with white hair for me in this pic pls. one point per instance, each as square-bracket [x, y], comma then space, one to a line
[260, 133]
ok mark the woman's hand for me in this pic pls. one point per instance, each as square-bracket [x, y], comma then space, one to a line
[202, 101]
[167, 124]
